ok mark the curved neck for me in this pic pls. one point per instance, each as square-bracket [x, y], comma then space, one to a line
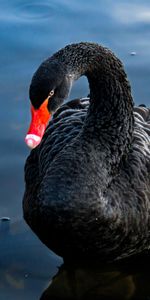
[109, 120]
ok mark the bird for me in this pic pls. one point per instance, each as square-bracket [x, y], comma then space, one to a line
[87, 178]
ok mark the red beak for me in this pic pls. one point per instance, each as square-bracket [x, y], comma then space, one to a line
[40, 118]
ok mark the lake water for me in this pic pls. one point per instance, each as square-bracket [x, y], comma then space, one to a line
[30, 31]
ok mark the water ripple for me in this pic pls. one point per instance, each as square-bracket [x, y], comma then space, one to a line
[35, 11]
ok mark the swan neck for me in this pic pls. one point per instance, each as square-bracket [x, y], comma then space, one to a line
[110, 116]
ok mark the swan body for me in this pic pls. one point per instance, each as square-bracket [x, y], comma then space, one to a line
[87, 190]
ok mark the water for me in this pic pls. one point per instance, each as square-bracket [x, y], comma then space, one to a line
[30, 31]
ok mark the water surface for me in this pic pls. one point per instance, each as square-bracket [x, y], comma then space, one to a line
[30, 31]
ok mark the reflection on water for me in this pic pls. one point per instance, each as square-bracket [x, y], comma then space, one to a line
[30, 31]
[25, 264]
[122, 282]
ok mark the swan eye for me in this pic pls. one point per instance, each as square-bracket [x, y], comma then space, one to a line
[51, 93]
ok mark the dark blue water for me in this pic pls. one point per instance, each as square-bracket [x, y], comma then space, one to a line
[30, 31]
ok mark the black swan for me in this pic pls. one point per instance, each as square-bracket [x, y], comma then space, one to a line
[87, 188]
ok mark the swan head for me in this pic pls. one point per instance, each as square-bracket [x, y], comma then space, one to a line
[49, 88]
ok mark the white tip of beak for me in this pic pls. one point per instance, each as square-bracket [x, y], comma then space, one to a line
[32, 140]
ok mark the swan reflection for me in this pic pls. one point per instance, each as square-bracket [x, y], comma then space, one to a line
[126, 281]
